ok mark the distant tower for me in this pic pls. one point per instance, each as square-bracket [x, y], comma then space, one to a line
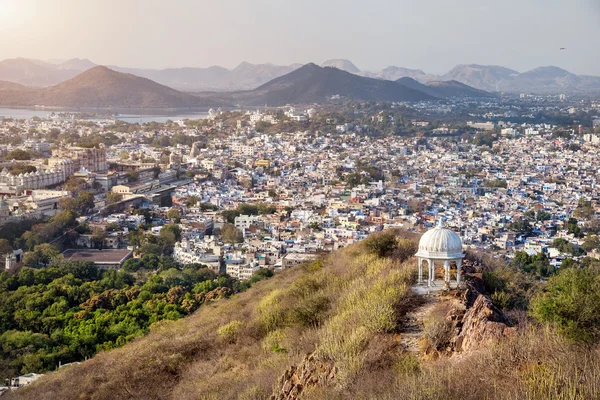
[10, 262]
[195, 149]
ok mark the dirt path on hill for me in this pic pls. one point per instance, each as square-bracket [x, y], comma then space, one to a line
[412, 326]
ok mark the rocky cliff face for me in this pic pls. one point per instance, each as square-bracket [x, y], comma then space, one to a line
[309, 374]
[473, 321]
[482, 321]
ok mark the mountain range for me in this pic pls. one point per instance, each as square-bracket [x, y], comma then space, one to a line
[99, 87]
[104, 87]
[248, 76]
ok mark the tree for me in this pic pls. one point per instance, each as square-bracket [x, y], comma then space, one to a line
[64, 218]
[18, 154]
[98, 237]
[571, 302]
[585, 209]
[230, 234]
[30, 259]
[45, 252]
[85, 201]
[174, 214]
[132, 265]
[573, 227]
[381, 244]
[133, 176]
[68, 203]
[174, 228]
[112, 197]
[5, 247]
[73, 184]
[591, 243]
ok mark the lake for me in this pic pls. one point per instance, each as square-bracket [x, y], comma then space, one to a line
[127, 115]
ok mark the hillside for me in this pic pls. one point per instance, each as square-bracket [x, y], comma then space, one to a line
[485, 77]
[244, 76]
[445, 89]
[448, 89]
[103, 87]
[4, 85]
[314, 84]
[346, 327]
[34, 72]
[343, 64]
[393, 73]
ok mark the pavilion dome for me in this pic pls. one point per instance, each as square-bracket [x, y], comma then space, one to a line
[440, 243]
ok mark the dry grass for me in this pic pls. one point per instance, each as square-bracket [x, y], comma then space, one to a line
[346, 308]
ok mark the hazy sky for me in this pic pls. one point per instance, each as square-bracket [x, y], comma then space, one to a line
[433, 35]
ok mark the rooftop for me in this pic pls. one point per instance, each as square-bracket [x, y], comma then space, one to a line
[99, 257]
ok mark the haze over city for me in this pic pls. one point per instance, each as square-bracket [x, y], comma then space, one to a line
[432, 35]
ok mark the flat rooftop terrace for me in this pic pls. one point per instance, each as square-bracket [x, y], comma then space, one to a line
[99, 257]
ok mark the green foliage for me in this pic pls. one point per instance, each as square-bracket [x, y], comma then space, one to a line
[72, 310]
[574, 228]
[585, 209]
[564, 246]
[230, 234]
[229, 332]
[18, 154]
[381, 244]
[571, 302]
[537, 263]
[496, 183]
[112, 198]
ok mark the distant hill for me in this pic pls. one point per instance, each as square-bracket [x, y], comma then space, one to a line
[250, 76]
[77, 64]
[103, 87]
[456, 89]
[394, 73]
[485, 77]
[188, 79]
[314, 84]
[33, 72]
[445, 89]
[247, 76]
[12, 86]
[344, 65]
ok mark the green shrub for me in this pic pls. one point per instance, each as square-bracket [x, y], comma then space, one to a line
[381, 244]
[272, 314]
[571, 302]
[229, 332]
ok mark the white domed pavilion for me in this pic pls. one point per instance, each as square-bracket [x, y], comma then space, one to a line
[440, 244]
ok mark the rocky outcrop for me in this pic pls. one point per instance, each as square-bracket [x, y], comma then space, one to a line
[310, 373]
[482, 321]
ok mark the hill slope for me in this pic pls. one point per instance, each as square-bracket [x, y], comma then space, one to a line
[314, 84]
[33, 72]
[350, 312]
[485, 77]
[393, 73]
[343, 64]
[103, 87]
[445, 89]
[4, 85]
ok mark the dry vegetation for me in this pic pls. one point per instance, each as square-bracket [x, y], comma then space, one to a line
[346, 309]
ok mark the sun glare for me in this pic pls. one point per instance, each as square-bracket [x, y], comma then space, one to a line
[10, 12]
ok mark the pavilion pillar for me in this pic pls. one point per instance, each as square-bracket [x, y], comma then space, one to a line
[458, 265]
[446, 271]
[420, 279]
[431, 272]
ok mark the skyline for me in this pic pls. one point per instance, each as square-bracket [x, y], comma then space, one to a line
[509, 34]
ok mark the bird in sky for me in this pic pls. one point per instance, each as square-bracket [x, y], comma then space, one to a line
[563, 48]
